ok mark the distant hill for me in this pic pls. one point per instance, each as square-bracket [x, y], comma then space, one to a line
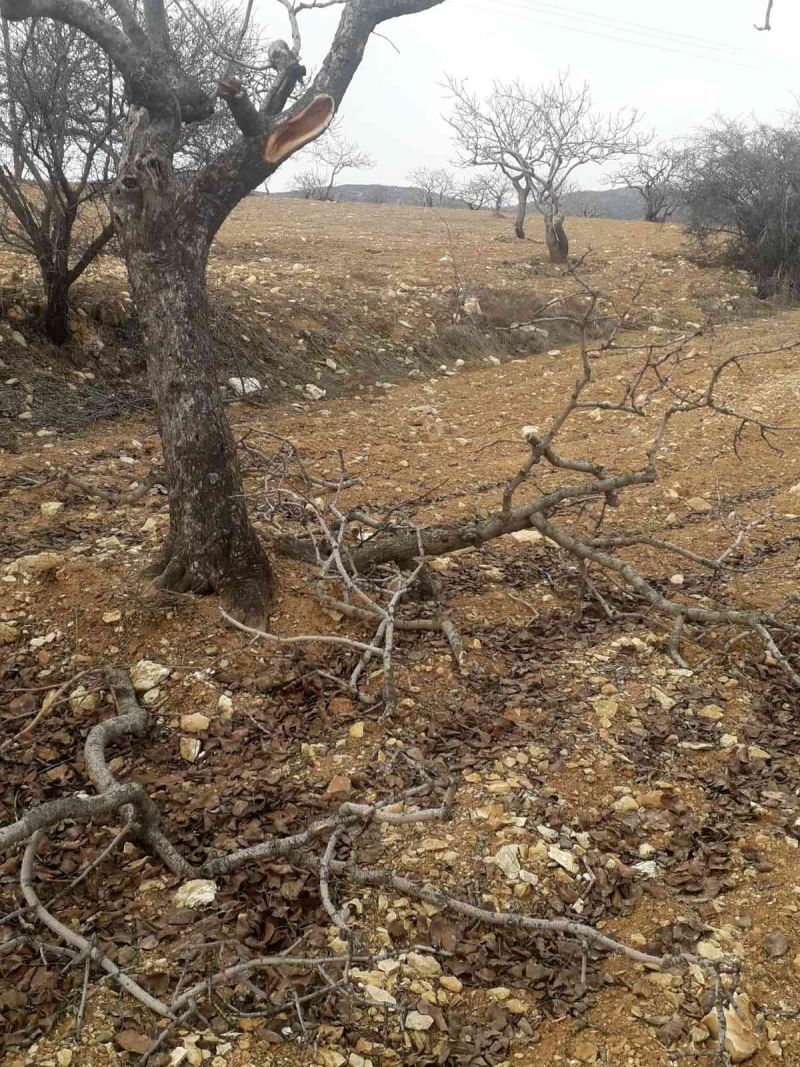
[595, 203]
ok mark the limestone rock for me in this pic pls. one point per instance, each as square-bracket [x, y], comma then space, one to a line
[197, 893]
[563, 859]
[8, 633]
[424, 966]
[50, 508]
[190, 748]
[507, 859]
[526, 535]
[38, 563]
[741, 1041]
[376, 995]
[82, 701]
[712, 712]
[416, 1021]
[195, 724]
[148, 675]
[244, 386]
[709, 950]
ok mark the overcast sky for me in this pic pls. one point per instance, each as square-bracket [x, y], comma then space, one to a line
[678, 61]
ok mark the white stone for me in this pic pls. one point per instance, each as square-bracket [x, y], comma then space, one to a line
[50, 508]
[195, 723]
[81, 700]
[424, 966]
[190, 748]
[244, 386]
[148, 675]
[8, 633]
[472, 307]
[376, 995]
[313, 392]
[563, 859]
[710, 951]
[526, 535]
[649, 868]
[197, 893]
[416, 1021]
[39, 563]
[507, 859]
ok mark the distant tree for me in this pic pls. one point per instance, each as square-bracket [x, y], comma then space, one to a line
[539, 138]
[484, 189]
[436, 185]
[654, 175]
[740, 186]
[310, 184]
[61, 105]
[331, 155]
[582, 204]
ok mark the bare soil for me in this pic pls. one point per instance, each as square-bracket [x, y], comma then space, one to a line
[560, 715]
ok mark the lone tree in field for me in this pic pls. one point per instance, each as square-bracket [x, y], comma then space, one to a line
[539, 138]
[61, 105]
[333, 154]
[166, 222]
[654, 175]
[435, 183]
[484, 189]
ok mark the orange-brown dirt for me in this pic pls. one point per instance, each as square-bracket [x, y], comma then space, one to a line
[564, 727]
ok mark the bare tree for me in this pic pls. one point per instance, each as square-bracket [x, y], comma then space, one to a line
[61, 105]
[309, 184]
[539, 138]
[332, 154]
[436, 185]
[166, 223]
[484, 188]
[654, 175]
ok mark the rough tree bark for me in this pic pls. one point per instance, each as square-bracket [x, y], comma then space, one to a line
[522, 209]
[556, 238]
[166, 224]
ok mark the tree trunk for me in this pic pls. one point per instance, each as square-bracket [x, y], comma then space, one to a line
[56, 312]
[556, 238]
[522, 210]
[211, 545]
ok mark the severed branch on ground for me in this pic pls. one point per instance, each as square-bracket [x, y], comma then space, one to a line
[579, 489]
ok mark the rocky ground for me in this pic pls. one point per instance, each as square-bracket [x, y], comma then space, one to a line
[594, 779]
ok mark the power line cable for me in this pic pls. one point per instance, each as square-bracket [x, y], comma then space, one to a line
[572, 27]
[641, 29]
